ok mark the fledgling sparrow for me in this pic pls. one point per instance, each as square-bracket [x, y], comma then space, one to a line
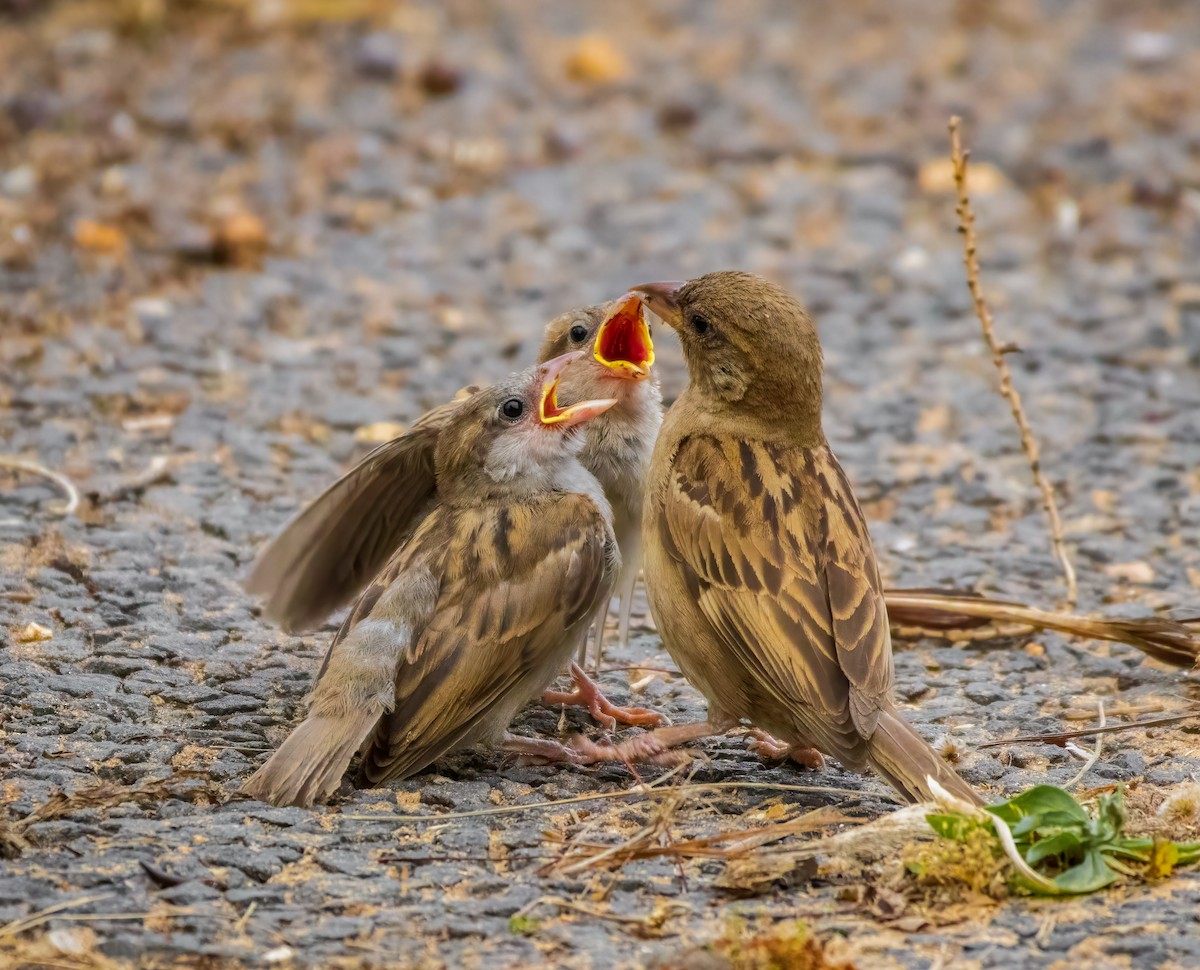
[759, 568]
[329, 552]
[477, 611]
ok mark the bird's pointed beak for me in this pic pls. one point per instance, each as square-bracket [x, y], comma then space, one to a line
[623, 342]
[663, 300]
[549, 413]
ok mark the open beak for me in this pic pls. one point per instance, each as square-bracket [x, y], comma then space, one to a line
[549, 413]
[663, 301]
[623, 343]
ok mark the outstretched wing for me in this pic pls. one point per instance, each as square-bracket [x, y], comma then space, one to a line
[773, 546]
[345, 536]
[515, 582]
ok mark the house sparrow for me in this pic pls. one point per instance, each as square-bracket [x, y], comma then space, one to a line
[620, 443]
[343, 538]
[477, 611]
[759, 567]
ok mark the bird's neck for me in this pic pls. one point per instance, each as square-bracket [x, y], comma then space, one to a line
[797, 424]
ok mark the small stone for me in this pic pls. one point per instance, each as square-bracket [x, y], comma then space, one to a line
[677, 115]
[75, 941]
[439, 79]
[1148, 48]
[193, 242]
[377, 57]
[1130, 572]
[20, 182]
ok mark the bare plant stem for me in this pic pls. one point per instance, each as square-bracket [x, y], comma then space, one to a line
[33, 468]
[966, 226]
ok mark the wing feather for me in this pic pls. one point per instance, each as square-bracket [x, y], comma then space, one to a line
[501, 629]
[773, 545]
[341, 539]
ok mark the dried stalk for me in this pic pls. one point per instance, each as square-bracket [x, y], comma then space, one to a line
[1094, 756]
[1060, 738]
[64, 483]
[966, 225]
[931, 613]
[641, 790]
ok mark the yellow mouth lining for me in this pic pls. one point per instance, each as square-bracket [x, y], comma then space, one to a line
[548, 410]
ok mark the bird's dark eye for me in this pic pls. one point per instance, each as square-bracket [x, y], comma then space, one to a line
[700, 323]
[578, 333]
[513, 408]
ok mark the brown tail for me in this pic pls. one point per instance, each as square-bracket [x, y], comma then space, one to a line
[310, 763]
[905, 759]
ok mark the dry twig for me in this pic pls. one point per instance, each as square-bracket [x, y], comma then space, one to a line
[949, 614]
[64, 483]
[624, 793]
[1095, 755]
[966, 225]
[102, 795]
[1060, 738]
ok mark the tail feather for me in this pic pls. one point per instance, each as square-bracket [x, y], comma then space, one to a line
[905, 759]
[310, 763]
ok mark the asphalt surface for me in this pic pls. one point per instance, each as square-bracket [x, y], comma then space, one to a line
[231, 240]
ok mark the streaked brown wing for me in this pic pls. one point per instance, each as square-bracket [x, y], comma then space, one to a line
[515, 581]
[341, 539]
[774, 547]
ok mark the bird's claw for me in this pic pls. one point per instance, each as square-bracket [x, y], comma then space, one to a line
[770, 748]
[608, 715]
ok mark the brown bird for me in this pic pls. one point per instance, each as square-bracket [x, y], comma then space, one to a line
[478, 610]
[759, 567]
[328, 553]
[619, 443]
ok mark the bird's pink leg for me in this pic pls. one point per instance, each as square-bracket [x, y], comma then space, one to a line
[655, 747]
[770, 748]
[587, 694]
[541, 750]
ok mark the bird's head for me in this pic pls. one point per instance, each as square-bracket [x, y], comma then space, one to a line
[515, 436]
[750, 347]
[617, 337]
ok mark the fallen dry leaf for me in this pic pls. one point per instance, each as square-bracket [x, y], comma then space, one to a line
[34, 633]
[594, 59]
[97, 237]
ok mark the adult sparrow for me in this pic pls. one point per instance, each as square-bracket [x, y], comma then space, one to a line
[759, 567]
[477, 611]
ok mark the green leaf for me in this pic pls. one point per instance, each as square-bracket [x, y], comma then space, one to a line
[1039, 801]
[1189, 852]
[1064, 844]
[522, 925]
[1091, 874]
[951, 826]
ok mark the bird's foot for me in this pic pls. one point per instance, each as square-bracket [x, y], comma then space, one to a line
[644, 749]
[770, 748]
[654, 747]
[541, 751]
[587, 694]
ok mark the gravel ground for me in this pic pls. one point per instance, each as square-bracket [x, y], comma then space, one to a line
[235, 238]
